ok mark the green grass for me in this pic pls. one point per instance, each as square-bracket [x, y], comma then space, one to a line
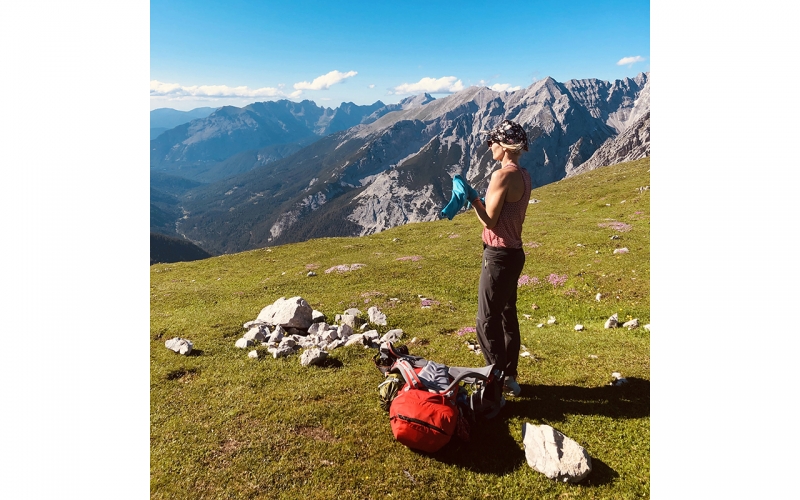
[226, 426]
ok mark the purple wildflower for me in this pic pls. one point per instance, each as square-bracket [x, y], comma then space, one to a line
[527, 280]
[556, 280]
[465, 330]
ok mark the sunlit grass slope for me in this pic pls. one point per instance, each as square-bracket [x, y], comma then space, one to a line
[226, 426]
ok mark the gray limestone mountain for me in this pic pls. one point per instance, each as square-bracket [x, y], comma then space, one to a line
[230, 140]
[397, 166]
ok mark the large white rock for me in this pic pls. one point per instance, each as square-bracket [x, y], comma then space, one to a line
[612, 321]
[392, 335]
[313, 357]
[376, 317]
[288, 313]
[179, 345]
[554, 454]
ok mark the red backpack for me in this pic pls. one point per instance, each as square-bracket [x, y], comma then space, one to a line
[421, 418]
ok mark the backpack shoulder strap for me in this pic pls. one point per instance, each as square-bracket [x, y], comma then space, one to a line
[408, 373]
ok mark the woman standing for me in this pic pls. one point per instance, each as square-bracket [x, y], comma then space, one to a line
[502, 217]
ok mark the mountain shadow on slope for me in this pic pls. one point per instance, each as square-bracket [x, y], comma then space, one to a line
[164, 249]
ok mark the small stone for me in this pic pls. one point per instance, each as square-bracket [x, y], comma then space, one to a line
[413, 341]
[353, 311]
[647, 327]
[280, 352]
[524, 354]
[612, 321]
[317, 328]
[358, 338]
[313, 357]
[630, 325]
[244, 343]
[526, 316]
[255, 334]
[373, 335]
[252, 354]
[578, 328]
[598, 297]
[317, 316]
[391, 335]
[344, 330]
[540, 325]
[335, 344]
[350, 320]
[534, 307]
[620, 250]
[311, 273]
[552, 320]
[276, 336]
[364, 327]
[615, 237]
[287, 342]
[179, 345]
[592, 356]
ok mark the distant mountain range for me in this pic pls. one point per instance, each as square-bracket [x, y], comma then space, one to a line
[279, 172]
[163, 119]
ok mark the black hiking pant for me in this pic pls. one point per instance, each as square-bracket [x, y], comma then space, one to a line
[497, 324]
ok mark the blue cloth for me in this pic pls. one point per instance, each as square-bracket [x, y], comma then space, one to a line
[462, 195]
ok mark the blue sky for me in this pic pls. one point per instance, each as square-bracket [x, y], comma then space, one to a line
[206, 53]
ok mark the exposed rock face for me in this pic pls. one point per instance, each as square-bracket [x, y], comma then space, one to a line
[554, 454]
[632, 144]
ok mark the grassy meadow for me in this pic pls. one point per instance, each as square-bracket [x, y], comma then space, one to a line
[226, 426]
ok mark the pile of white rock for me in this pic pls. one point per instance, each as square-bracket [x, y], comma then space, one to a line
[290, 325]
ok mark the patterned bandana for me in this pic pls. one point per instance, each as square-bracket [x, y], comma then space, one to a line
[509, 132]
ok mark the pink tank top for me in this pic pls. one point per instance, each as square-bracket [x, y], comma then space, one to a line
[508, 231]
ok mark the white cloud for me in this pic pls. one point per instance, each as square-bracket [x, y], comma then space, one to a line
[629, 60]
[325, 81]
[504, 87]
[443, 85]
[161, 89]
[371, 85]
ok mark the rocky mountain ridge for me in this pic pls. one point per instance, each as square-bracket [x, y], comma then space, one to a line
[396, 167]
